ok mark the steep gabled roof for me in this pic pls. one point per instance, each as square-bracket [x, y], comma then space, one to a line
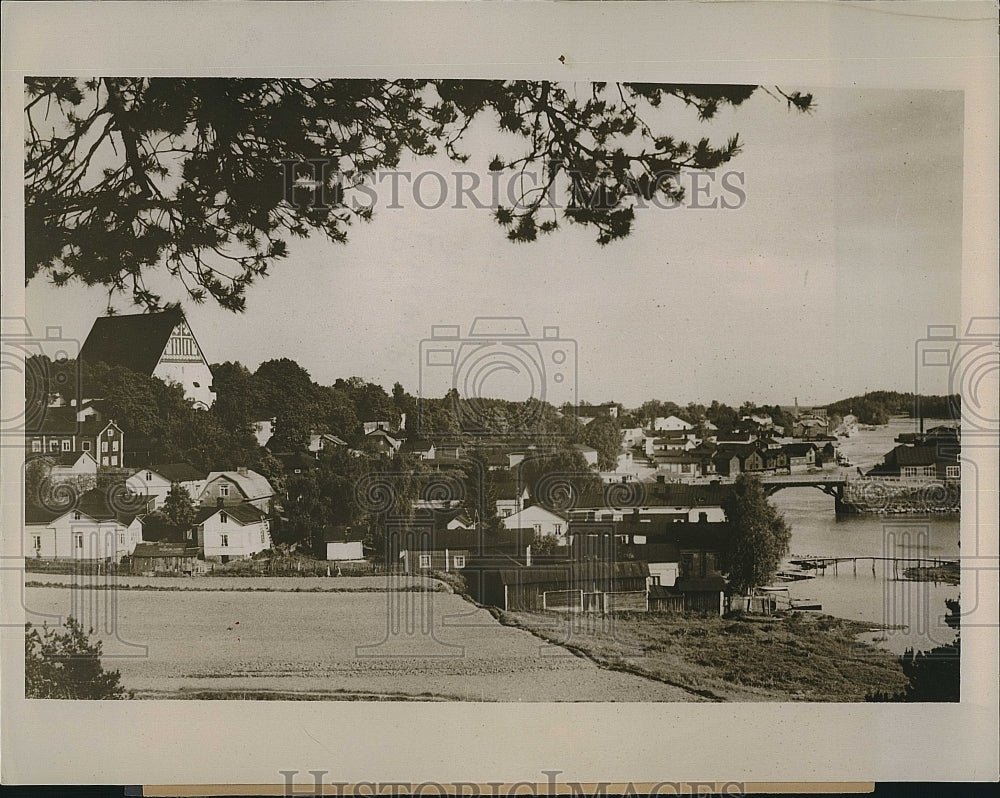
[244, 513]
[95, 504]
[134, 341]
[252, 484]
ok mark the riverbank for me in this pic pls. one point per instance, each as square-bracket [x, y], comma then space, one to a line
[788, 657]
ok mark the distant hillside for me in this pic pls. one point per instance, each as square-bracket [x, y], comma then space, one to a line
[877, 406]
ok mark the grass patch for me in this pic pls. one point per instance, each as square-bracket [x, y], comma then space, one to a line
[792, 657]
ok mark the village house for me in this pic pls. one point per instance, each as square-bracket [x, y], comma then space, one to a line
[633, 436]
[79, 468]
[159, 345]
[511, 496]
[733, 459]
[293, 463]
[423, 449]
[678, 502]
[231, 531]
[62, 432]
[320, 441]
[681, 464]
[801, 456]
[543, 522]
[589, 453]
[155, 482]
[383, 441]
[920, 461]
[566, 586]
[89, 529]
[671, 423]
[236, 487]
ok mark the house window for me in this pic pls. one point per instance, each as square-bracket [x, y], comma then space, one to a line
[104, 446]
[909, 471]
[77, 516]
[224, 490]
[121, 539]
[37, 540]
[111, 432]
[114, 459]
[425, 561]
[149, 476]
[104, 461]
[557, 528]
[79, 541]
[188, 534]
[114, 446]
[538, 529]
[262, 537]
[223, 518]
[953, 472]
[53, 446]
[86, 446]
[65, 446]
[224, 540]
[459, 561]
[930, 471]
[36, 446]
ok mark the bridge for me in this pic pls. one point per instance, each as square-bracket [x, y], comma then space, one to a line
[830, 482]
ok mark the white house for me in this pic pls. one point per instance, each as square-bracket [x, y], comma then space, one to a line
[233, 532]
[89, 529]
[154, 482]
[318, 441]
[589, 453]
[633, 436]
[155, 344]
[542, 521]
[662, 424]
[510, 498]
[235, 487]
[79, 467]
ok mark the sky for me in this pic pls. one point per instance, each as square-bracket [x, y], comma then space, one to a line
[817, 287]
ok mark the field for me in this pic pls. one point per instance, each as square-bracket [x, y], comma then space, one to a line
[319, 638]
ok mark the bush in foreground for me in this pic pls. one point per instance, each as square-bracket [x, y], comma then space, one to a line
[67, 665]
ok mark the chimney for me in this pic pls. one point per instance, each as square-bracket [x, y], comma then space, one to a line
[242, 471]
[527, 556]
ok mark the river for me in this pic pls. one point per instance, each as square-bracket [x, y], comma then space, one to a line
[873, 595]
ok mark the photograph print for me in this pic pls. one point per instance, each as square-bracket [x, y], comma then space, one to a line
[493, 390]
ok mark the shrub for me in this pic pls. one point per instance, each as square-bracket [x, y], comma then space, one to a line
[67, 665]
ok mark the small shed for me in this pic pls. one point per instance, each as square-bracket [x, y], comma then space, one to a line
[166, 558]
[336, 543]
